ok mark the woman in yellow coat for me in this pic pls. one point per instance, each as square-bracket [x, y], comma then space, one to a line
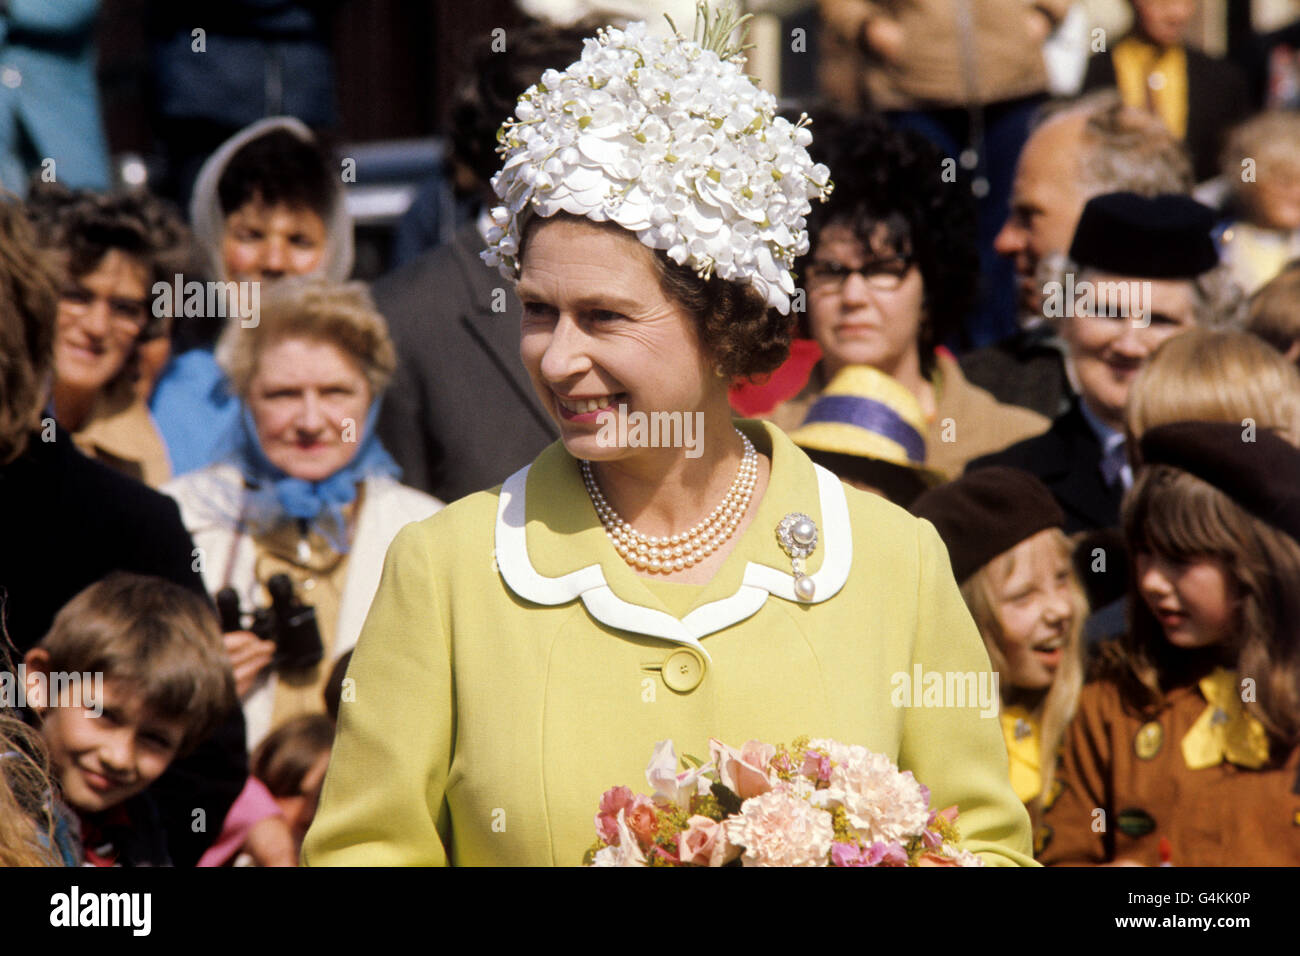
[529, 645]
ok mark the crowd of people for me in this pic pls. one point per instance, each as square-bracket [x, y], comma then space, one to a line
[1030, 366]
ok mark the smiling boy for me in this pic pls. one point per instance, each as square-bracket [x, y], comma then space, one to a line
[166, 685]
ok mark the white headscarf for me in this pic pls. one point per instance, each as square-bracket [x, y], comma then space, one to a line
[209, 224]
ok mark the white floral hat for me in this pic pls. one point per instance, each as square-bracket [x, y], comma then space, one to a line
[671, 140]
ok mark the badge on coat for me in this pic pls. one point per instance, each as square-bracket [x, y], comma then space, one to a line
[1135, 822]
[1150, 737]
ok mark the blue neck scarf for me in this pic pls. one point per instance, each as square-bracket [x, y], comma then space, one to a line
[274, 497]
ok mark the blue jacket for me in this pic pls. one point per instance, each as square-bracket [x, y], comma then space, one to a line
[49, 102]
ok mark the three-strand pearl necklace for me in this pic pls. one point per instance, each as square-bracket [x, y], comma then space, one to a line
[679, 551]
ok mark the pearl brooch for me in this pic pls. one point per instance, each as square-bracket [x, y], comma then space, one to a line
[798, 536]
[672, 553]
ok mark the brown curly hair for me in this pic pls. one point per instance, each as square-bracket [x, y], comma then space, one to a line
[28, 305]
[743, 335]
[84, 226]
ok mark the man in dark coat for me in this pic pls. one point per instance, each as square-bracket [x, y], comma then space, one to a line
[1136, 276]
[461, 414]
[1096, 146]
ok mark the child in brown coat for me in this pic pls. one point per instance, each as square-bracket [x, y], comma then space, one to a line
[1186, 751]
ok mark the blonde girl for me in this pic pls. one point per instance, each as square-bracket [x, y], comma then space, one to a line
[1013, 563]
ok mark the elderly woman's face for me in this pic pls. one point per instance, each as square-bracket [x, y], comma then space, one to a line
[309, 402]
[267, 242]
[869, 316]
[599, 333]
[100, 317]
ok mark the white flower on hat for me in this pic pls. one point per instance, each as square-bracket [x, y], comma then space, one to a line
[671, 140]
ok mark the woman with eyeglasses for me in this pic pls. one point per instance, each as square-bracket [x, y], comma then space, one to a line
[110, 250]
[891, 272]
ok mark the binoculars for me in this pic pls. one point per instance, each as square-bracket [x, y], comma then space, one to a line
[288, 622]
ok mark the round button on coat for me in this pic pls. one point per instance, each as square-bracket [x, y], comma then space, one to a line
[683, 671]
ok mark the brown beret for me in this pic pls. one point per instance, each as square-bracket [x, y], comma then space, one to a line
[1263, 475]
[986, 512]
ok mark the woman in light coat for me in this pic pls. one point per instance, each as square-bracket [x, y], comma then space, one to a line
[304, 488]
[530, 645]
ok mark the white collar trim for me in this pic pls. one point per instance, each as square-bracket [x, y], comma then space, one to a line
[605, 606]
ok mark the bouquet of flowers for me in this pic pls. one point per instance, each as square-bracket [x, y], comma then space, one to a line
[815, 803]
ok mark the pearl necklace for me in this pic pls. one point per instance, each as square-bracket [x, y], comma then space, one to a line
[679, 551]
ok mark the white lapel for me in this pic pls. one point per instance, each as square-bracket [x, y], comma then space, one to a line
[604, 605]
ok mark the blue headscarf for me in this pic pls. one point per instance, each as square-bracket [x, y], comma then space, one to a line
[274, 497]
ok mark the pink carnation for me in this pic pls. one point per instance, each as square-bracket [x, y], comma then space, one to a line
[779, 829]
[878, 854]
[848, 854]
[613, 800]
[624, 851]
[883, 804]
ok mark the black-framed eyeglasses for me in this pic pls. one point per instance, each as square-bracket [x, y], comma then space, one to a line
[885, 275]
[128, 316]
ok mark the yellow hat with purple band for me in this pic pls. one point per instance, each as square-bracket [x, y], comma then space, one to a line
[865, 412]
[866, 425]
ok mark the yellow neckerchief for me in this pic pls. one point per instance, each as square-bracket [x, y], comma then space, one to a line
[1021, 731]
[1225, 730]
[1136, 61]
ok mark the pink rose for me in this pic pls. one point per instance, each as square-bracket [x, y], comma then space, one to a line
[704, 843]
[614, 800]
[642, 820]
[746, 773]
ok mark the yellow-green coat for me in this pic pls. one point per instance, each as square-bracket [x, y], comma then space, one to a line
[512, 669]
